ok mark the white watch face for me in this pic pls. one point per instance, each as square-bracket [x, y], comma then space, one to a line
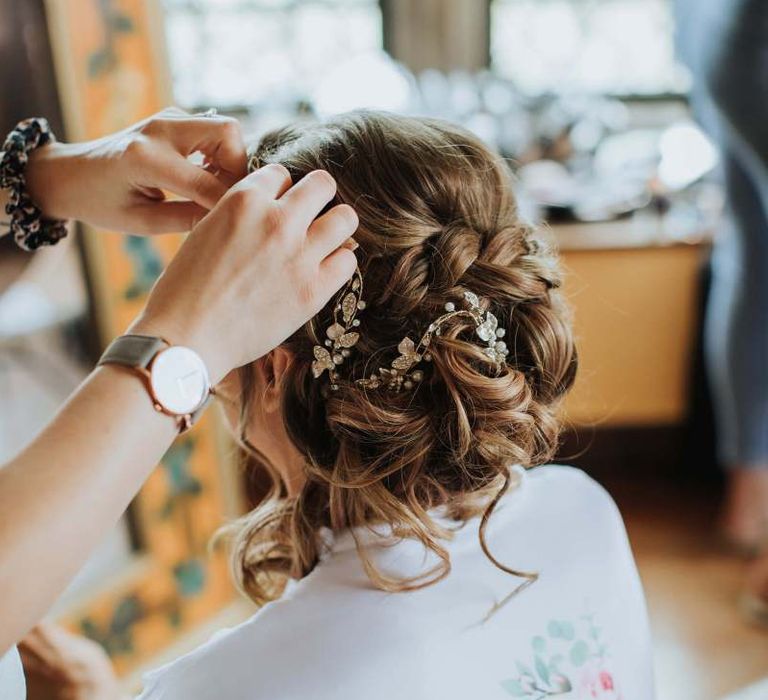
[179, 380]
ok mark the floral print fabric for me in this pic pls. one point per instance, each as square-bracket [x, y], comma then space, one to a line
[569, 660]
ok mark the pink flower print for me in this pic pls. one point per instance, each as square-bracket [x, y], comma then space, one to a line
[606, 681]
[597, 684]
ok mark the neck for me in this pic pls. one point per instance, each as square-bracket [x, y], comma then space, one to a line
[291, 470]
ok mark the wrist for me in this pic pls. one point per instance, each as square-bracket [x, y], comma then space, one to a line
[48, 170]
[175, 376]
[175, 334]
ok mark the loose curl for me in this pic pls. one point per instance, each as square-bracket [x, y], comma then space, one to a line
[437, 217]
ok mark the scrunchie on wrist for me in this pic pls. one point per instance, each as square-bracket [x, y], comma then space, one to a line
[30, 230]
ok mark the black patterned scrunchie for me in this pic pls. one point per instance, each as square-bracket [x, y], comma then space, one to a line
[30, 230]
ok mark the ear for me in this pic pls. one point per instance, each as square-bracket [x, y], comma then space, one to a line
[272, 369]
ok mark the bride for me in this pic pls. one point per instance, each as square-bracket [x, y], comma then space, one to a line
[412, 545]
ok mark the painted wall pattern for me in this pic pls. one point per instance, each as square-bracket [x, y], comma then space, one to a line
[110, 62]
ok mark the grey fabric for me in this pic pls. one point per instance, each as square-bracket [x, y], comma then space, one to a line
[725, 44]
[132, 350]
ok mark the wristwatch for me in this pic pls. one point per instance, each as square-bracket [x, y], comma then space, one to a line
[175, 376]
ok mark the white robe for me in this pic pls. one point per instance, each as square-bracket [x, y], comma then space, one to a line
[580, 631]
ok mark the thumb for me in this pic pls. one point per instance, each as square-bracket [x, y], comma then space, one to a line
[174, 173]
[167, 217]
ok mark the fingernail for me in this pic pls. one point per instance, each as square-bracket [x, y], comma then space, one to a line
[350, 243]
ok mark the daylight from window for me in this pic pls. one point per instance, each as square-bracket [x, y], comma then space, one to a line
[617, 47]
[237, 53]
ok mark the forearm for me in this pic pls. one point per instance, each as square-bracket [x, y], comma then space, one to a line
[61, 495]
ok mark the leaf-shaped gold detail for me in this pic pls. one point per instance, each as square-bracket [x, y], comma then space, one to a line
[408, 355]
[349, 339]
[472, 298]
[403, 362]
[335, 331]
[348, 307]
[323, 361]
[487, 329]
[406, 346]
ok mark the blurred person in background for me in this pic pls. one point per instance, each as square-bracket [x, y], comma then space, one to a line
[725, 44]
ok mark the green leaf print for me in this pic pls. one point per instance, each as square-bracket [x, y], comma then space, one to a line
[514, 688]
[559, 659]
[542, 669]
[560, 629]
[523, 670]
[579, 653]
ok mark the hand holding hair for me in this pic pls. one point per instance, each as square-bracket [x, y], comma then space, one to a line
[118, 182]
[254, 269]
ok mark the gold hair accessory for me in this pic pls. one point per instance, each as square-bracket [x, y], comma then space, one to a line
[340, 334]
[402, 372]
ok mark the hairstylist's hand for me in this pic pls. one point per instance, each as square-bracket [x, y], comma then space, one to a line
[253, 270]
[59, 665]
[117, 182]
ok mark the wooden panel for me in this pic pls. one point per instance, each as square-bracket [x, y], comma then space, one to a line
[635, 313]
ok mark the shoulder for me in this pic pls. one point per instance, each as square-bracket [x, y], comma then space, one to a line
[568, 513]
[562, 485]
[315, 627]
[584, 556]
[564, 476]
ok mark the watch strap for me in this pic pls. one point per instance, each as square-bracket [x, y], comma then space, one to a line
[132, 351]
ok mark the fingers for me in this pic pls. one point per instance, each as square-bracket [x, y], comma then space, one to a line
[335, 271]
[332, 230]
[306, 199]
[167, 217]
[271, 181]
[219, 138]
[184, 179]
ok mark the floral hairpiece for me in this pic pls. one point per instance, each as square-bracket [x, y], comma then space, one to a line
[341, 335]
[402, 372]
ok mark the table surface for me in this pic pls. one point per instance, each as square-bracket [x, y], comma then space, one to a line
[639, 231]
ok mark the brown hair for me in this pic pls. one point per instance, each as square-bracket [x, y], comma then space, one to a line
[437, 217]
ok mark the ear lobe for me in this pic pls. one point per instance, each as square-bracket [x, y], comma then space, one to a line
[275, 366]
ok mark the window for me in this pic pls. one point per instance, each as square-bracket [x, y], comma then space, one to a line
[615, 47]
[240, 53]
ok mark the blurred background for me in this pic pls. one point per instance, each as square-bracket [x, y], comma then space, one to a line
[590, 103]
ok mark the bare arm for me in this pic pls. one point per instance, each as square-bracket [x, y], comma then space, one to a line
[261, 254]
[61, 495]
